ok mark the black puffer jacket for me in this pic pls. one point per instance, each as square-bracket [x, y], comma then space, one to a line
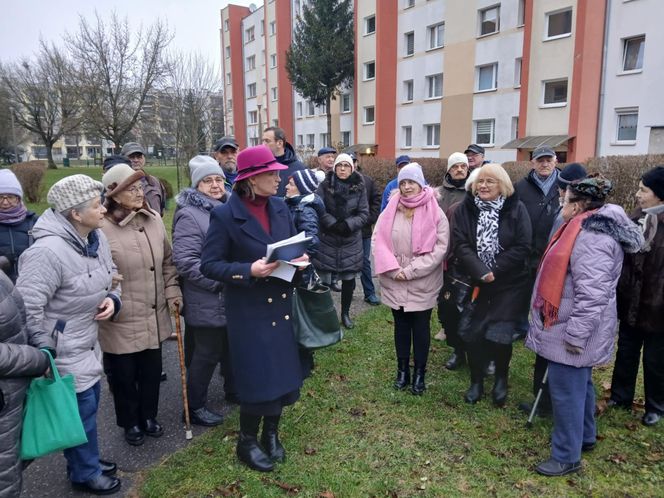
[306, 210]
[18, 362]
[340, 228]
[374, 198]
[14, 239]
[294, 164]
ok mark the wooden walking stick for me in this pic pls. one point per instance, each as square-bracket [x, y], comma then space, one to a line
[183, 374]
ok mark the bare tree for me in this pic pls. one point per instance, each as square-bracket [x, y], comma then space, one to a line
[43, 96]
[119, 66]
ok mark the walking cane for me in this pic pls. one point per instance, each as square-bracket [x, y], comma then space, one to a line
[183, 374]
[529, 423]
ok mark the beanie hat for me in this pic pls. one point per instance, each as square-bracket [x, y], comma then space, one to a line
[571, 173]
[202, 166]
[9, 184]
[72, 191]
[305, 180]
[595, 186]
[413, 172]
[456, 158]
[654, 180]
[118, 178]
[113, 160]
[344, 158]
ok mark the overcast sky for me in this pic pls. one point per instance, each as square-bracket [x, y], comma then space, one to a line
[195, 22]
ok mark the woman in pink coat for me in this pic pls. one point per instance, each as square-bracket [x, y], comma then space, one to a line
[409, 244]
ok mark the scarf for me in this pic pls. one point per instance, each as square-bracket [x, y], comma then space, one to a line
[424, 231]
[14, 215]
[649, 223]
[488, 244]
[553, 268]
[545, 184]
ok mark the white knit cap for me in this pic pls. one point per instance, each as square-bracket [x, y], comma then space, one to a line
[9, 184]
[344, 158]
[456, 158]
[202, 166]
[72, 191]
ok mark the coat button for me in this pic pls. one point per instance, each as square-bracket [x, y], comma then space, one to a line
[284, 295]
[269, 299]
[152, 268]
[274, 324]
[141, 229]
[287, 317]
[154, 306]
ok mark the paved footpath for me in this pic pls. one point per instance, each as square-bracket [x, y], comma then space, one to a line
[46, 477]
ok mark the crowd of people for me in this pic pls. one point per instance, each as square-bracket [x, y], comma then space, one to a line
[547, 259]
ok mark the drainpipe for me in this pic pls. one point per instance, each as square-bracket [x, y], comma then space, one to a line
[602, 90]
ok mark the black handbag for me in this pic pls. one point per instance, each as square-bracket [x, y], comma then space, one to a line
[457, 287]
[473, 321]
[315, 321]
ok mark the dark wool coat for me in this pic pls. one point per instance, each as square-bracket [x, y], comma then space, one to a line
[448, 195]
[641, 285]
[344, 202]
[374, 199]
[507, 298]
[306, 210]
[294, 164]
[203, 298]
[18, 362]
[14, 239]
[265, 362]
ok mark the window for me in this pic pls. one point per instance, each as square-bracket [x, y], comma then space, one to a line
[262, 28]
[489, 20]
[251, 90]
[322, 109]
[299, 109]
[408, 4]
[627, 119]
[555, 93]
[273, 60]
[300, 140]
[227, 25]
[517, 72]
[407, 136]
[231, 129]
[345, 102]
[433, 135]
[310, 140]
[515, 128]
[253, 141]
[484, 132]
[249, 35]
[633, 53]
[521, 13]
[369, 70]
[230, 104]
[434, 86]
[253, 117]
[323, 139]
[369, 25]
[228, 79]
[228, 52]
[273, 28]
[369, 115]
[275, 122]
[409, 43]
[487, 77]
[435, 34]
[251, 62]
[408, 91]
[559, 24]
[310, 108]
[345, 138]
[274, 93]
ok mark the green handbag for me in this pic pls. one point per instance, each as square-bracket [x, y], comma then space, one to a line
[315, 321]
[51, 421]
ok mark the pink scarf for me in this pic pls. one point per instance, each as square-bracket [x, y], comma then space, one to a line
[424, 231]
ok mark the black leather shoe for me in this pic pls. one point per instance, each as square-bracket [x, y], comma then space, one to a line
[456, 360]
[553, 468]
[100, 485]
[403, 375]
[346, 321]
[153, 428]
[474, 393]
[372, 300]
[335, 286]
[612, 403]
[203, 416]
[107, 468]
[134, 435]
[418, 386]
[650, 418]
[273, 447]
[499, 392]
[586, 447]
[252, 455]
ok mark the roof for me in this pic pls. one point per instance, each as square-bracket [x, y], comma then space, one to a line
[533, 142]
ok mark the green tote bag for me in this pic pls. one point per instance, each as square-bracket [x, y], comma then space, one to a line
[315, 320]
[51, 421]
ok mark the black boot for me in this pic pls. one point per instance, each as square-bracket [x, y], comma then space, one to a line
[476, 363]
[347, 288]
[270, 439]
[248, 450]
[502, 354]
[403, 374]
[457, 360]
[418, 386]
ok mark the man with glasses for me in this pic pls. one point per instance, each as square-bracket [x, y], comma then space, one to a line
[225, 152]
[153, 190]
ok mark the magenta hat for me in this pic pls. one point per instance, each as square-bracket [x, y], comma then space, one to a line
[256, 160]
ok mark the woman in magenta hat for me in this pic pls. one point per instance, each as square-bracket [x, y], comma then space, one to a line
[265, 362]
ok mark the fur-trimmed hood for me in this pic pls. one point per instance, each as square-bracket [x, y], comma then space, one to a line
[612, 220]
[195, 198]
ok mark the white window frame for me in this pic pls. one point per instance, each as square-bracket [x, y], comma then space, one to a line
[346, 105]
[249, 34]
[250, 63]
[409, 4]
[345, 141]
[251, 91]
[481, 20]
[547, 26]
[322, 109]
[405, 43]
[227, 25]
[311, 140]
[432, 136]
[544, 104]
[625, 42]
[366, 25]
[491, 123]
[365, 110]
[433, 41]
[300, 140]
[253, 117]
[298, 109]
[408, 85]
[430, 82]
[274, 93]
[407, 135]
[622, 112]
[521, 14]
[228, 52]
[514, 132]
[365, 71]
[229, 79]
[494, 79]
[323, 139]
[311, 109]
[273, 28]
[229, 105]
[273, 61]
[518, 66]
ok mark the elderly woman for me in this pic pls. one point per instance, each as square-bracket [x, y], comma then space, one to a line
[264, 353]
[573, 313]
[409, 245]
[340, 229]
[203, 298]
[491, 238]
[641, 306]
[16, 222]
[68, 274]
[132, 342]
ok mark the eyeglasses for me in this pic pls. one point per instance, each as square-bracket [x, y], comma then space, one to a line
[11, 198]
[210, 180]
[344, 166]
[135, 189]
[489, 182]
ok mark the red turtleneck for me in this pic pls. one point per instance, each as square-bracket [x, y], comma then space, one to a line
[258, 209]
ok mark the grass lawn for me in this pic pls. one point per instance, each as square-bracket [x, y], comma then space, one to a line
[352, 435]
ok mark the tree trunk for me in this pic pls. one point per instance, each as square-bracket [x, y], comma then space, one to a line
[328, 100]
[49, 156]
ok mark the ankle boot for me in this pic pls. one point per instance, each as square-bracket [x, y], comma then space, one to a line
[403, 374]
[502, 356]
[346, 321]
[248, 450]
[270, 439]
[457, 360]
[347, 288]
[476, 364]
[418, 386]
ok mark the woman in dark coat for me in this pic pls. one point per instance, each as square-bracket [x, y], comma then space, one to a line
[340, 232]
[491, 239]
[264, 353]
[641, 306]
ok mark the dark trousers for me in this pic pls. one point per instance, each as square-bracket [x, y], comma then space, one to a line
[573, 401]
[630, 342]
[365, 276]
[208, 352]
[83, 460]
[134, 380]
[448, 316]
[412, 327]
[538, 374]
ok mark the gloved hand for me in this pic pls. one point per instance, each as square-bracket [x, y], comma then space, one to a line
[571, 349]
[342, 228]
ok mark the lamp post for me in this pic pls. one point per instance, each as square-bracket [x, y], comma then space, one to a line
[11, 114]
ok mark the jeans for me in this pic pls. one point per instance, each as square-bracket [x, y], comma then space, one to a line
[365, 277]
[412, 326]
[83, 460]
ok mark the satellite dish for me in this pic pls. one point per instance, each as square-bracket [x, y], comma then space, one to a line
[252, 7]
